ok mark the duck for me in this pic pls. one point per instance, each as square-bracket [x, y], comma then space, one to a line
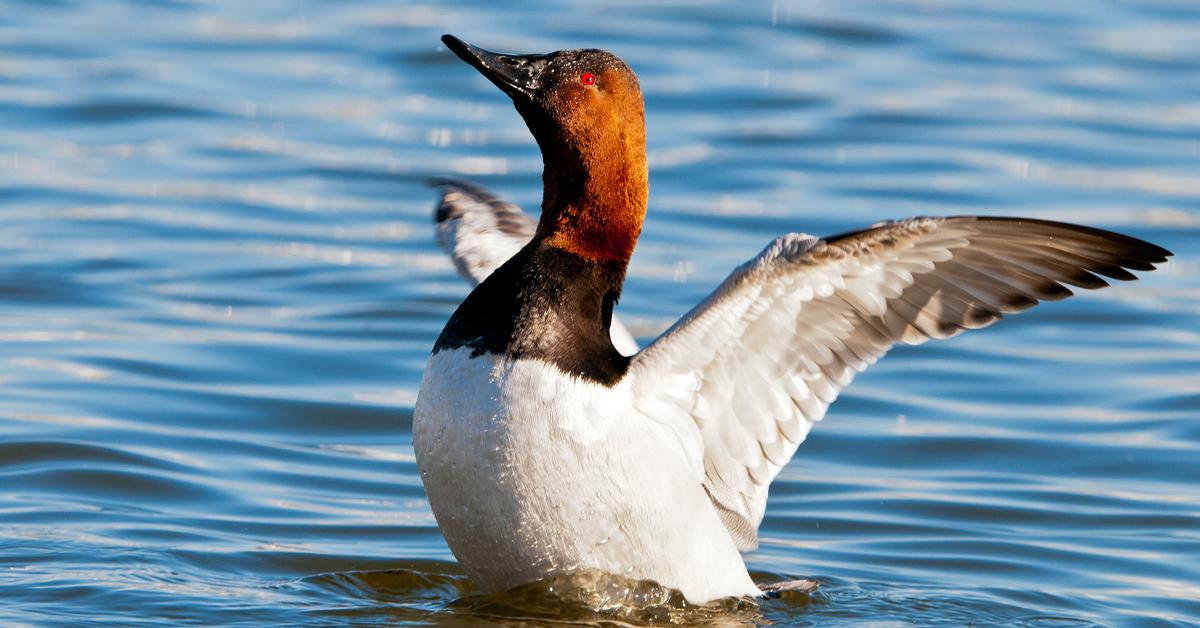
[545, 450]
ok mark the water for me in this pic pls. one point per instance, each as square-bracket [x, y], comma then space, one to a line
[218, 288]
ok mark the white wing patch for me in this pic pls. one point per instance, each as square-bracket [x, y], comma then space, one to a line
[758, 362]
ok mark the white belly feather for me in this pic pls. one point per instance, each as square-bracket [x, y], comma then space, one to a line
[532, 473]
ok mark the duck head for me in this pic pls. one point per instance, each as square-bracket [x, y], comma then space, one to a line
[584, 108]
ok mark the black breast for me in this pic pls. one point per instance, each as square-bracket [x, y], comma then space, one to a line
[546, 304]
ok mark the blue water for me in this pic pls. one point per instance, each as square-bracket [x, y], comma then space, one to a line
[218, 289]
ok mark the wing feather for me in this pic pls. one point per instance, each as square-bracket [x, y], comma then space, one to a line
[760, 360]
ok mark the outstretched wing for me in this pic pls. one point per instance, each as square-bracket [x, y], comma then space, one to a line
[758, 362]
[480, 231]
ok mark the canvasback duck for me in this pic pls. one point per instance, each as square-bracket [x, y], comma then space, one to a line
[545, 451]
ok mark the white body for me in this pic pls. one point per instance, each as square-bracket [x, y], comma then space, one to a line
[532, 473]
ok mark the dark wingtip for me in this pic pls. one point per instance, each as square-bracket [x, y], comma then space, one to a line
[462, 185]
[442, 182]
[1154, 251]
[449, 209]
[1134, 248]
[444, 209]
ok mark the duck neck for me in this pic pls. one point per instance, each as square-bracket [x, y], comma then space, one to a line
[594, 198]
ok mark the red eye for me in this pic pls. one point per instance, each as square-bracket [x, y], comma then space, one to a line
[587, 78]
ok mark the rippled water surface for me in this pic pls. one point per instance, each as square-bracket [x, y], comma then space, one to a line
[218, 289]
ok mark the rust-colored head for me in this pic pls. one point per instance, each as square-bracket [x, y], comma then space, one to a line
[584, 108]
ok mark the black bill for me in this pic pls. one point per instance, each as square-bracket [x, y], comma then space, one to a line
[517, 75]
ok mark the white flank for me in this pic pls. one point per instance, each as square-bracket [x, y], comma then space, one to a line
[532, 473]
